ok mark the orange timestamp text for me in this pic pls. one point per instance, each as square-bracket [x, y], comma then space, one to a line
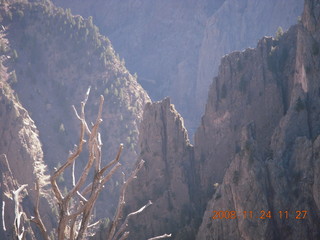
[263, 214]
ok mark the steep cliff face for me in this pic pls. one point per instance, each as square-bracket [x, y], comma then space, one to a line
[166, 178]
[21, 148]
[176, 47]
[259, 138]
[285, 176]
[235, 26]
[244, 92]
[20, 139]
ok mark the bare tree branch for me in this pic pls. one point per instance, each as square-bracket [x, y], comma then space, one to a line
[75, 208]
[125, 223]
[37, 218]
[3, 221]
[19, 228]
[124, 236]
[68, 215]
[161, 237]
[121, 202]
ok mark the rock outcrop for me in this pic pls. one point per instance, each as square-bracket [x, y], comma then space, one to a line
[244, 92]
[166, 179]
[21, 149]
[283, 179]
[256, 157]
[235, 26]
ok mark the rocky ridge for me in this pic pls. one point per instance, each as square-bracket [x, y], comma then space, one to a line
[256, 148]
[166, 178]
[285, 178]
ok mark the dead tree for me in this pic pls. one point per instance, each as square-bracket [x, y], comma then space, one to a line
[75, 207]
[74, 218]
[13, 191]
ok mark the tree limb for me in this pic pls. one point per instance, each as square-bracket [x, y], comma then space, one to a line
[37, 219]
[161, 237]
[121, 202]
[125, 223]
[18, 214]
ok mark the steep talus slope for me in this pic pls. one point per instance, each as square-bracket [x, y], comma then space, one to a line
[54, 57]
[176, 46]
[166, 179]
[287, 177]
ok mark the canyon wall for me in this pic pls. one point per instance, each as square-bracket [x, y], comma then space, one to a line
[175, 47]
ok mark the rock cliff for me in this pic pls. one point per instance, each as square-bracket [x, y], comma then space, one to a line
[21, 148]
[284, 177]
[255, 155]
[256, 152]
[244, 92]
[166, 179]
[176, 47]
[235, 26]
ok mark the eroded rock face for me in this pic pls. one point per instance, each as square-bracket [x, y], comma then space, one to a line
[235, 26]
[20, 139]
[257, 138]
[176, 47]
[285, 177]
[253, 188]
[253, 86]
[166, 179]
[21, 148]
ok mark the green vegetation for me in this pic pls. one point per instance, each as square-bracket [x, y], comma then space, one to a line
[61, 52]
[279, 33]
[15, 54]
[277, 59]
[60, 179]
[61, 128]
[13, 78]
[116, 93]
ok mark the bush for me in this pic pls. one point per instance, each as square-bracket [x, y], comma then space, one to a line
[15, 55]
[279, 33]
[62, 128]
[13, 77]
